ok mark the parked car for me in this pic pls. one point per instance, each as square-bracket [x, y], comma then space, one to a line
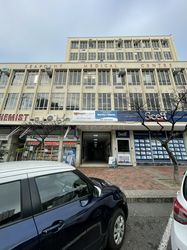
[179, 225]
[51, 205]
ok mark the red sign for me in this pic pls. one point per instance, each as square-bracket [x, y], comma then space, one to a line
[13, 117]
[46, 143]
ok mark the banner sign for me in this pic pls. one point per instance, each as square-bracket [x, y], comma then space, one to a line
[106, 115]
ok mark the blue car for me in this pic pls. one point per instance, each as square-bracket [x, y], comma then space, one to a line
[48, 205]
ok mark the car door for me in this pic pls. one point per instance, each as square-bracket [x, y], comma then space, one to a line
[67, 215]
[17, 227]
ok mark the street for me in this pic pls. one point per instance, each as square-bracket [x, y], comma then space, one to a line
[146, 225]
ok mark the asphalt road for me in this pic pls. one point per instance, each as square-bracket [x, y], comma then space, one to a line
[146, 225]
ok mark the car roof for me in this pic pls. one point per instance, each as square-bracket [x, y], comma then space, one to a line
[32, 168]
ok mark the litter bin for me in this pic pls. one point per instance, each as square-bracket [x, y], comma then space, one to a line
[112, 163]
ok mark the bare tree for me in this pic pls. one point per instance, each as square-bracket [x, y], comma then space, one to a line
[40, 130]
[166, 121]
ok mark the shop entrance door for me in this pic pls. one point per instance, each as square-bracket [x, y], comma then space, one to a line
[123, 157]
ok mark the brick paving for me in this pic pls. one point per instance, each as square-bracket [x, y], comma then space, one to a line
[149, 181]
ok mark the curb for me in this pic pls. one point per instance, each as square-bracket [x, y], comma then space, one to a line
[159, 196]
[150, 199]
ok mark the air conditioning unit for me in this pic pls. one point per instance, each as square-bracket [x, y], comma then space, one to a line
[6, 71]
[49, 71]
[51, 117]
[121, 72]
[38, 119]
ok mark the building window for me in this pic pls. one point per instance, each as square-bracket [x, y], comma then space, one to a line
[167, 55]
[136, 101]
[1, 98]
[146, 44]
[18, 77]
[179, 77]
[148, 55]
[155, 44]
[128, 44]
[92, 56]
[45, 78]
[83, 56]
[74, 77]
[89, 77]
[183, 100]
[73, 101]
[133, 77]
[110, 56]
[101, 56]
[129, 56]
[120, 101]
[104, 101]
[167, 99]
[57, 101]
[73, 56]
[148, 77]
[32, 78]
[83, 44]
[11, 101]
[110, 44]
[74, 44]
[118, 79]
[164, 44]
[3, 79]
[138, 56]
[26, 101]
[137, 44]
[41, 101]
[60, 77]
[158, 56]
[104, 77]
[101, 44]
[92, 44]
[119, 56]
[119, 44]
[88, 101]
[152, 101]
[163, 77]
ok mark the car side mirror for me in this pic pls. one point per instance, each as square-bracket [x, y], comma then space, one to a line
[97, 191]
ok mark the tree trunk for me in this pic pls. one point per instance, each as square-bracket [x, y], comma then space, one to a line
[175, 165]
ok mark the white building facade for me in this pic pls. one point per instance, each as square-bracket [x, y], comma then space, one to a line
[93, 94]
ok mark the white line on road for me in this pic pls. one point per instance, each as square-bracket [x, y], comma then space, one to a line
[165, 238]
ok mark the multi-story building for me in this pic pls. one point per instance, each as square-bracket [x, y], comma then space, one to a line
[93, 93]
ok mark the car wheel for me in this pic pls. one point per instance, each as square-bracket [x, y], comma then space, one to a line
[116, 231]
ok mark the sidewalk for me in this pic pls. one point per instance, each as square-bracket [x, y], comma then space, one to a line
[149, 183]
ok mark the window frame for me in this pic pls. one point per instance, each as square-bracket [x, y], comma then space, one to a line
[36, 201]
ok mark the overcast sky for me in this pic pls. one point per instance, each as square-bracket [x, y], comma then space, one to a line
[37, 30]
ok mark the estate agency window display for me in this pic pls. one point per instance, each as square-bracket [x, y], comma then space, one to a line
[150, 150]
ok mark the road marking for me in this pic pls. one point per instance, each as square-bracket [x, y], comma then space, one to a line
[165, 238]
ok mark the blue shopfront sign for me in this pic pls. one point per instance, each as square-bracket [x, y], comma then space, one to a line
[106, 115]
[151, 116]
